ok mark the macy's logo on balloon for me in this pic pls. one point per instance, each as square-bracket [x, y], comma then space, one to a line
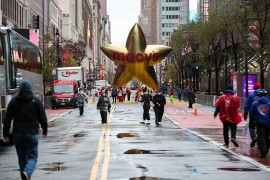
[132, 57]
[68, 73]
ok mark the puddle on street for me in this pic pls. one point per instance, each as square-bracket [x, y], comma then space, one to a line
[56, 166]
[237, 169]
[79, 135]
[140, 151]
[149, 178]
[123, 135]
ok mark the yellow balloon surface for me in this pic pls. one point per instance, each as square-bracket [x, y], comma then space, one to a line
[136, 59]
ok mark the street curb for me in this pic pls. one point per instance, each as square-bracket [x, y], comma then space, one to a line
[251, 161]
[51, 120]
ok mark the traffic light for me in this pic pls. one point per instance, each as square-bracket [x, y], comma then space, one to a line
[36, 22]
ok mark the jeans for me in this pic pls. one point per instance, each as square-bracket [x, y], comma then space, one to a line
[252, 126]
[146, 114]
[226, 126]
[263, 138]
[27, 150]
[81, 110]
[103, 116]
[159, 110]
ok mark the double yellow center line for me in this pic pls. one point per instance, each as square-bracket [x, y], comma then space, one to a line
[106, 128]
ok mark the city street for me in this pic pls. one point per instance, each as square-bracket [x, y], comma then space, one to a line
[184, 147]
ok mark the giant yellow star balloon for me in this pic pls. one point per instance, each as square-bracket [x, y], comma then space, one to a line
[136, 59]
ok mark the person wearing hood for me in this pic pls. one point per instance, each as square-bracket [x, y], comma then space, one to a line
[159, 102]
[27, 113]
[259, 110]
[81, 97]
[227, 107]
[104, 106]
[250, 99]
[145, 99]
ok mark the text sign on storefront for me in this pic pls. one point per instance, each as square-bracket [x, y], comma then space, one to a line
[251, 82]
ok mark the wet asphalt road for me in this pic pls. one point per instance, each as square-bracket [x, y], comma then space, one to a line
[81, 148]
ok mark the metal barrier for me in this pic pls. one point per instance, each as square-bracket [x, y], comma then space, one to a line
[209, 100]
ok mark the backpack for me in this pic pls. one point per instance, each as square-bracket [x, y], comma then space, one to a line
[114, 92]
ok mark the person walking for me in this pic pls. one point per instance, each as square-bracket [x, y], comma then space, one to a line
[227, 107]
[191, 98]
[145, 99]
[159, 102]
[179, 94]
[27, 112]
[81, 97]
[171, 94]
[104, 106]
[259, 110]
[250, 99]
[114, 94]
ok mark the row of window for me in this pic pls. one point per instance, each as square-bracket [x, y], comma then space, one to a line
[170, 16]
[13, 9]
[166, 33]
[171, 8]
[173, 0]
[169, 25]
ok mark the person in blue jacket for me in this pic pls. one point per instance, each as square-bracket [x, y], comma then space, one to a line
[250, 99]
[259, 110]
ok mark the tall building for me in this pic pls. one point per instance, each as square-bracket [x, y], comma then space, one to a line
[72, 19]
[174, 13]
[145, 19]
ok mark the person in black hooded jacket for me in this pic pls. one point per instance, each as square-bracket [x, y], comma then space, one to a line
[145, 99]
[159, 102]
[27, 112]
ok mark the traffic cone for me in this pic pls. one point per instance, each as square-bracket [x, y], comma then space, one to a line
[195, 112]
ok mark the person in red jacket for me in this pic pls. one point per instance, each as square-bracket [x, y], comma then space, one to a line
[227, 107]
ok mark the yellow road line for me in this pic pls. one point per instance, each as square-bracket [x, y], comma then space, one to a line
[94, 169]
[93, 174]
[107, 153]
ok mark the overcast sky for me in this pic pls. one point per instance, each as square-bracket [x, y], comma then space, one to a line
[123, 15]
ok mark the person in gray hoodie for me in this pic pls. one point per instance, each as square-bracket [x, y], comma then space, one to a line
[27, 112]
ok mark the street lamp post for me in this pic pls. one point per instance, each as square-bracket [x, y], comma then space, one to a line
[57, 48]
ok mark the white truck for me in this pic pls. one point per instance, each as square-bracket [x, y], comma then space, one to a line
[72, 73]
[101, 83]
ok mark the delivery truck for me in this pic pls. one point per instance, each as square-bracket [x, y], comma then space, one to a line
[72, 73]
[64, 93]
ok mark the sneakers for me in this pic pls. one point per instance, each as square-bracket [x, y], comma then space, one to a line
[253, 142]
[24, 176]
[234, 142]
[148, 122]
[143, 122]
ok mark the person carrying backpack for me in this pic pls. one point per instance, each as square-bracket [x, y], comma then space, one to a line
[104, 106]
[114, 94]
[259, 110]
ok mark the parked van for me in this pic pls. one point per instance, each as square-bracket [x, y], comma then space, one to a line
[64, 93]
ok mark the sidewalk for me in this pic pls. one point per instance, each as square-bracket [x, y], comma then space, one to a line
[53, 114]
[205, 126]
